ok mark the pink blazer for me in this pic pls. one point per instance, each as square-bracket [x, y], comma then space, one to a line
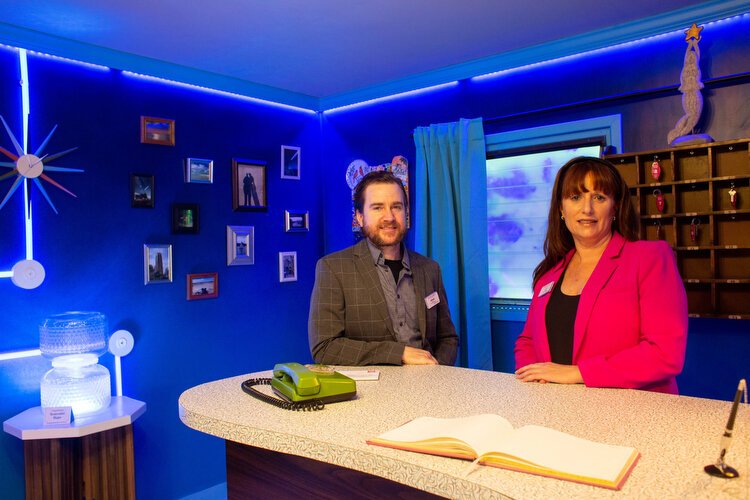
[631, 326]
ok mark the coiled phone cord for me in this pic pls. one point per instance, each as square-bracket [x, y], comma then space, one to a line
[309, 405]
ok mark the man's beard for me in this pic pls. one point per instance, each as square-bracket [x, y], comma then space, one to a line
[372, 234]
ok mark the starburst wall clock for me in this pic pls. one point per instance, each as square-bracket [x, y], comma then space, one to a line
[25, 167]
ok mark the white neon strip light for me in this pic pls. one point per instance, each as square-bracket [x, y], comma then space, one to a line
[4, 356]
[25, 111]
[6, 274]
[118, 376]
[24, 97]
[214, 91]
[28, 222]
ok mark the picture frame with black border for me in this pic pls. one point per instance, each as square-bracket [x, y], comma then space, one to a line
[290, 162]
[199, 171]
[240, 245]
[157, 131]
[185, 218]
[202, 286]
[287, 266]
[249, 185]
[157, 263]
[142, 194]
[296, 221]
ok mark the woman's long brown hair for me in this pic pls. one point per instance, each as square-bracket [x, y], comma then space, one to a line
[570, 180]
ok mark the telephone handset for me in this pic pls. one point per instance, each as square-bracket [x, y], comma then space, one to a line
[303, 388]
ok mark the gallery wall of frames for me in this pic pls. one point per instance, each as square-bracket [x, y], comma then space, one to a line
[193, 225]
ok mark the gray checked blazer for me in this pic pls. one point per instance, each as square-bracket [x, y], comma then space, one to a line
[349, 322]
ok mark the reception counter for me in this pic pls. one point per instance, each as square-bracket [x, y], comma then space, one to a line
[676, 435]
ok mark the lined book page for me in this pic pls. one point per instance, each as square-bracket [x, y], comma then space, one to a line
[565, 453]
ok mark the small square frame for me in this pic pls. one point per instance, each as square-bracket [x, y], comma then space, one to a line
[248, 185]
[157, 131]
[199, 171]
[290, 162]
[202, 286]
[287, 266]
[142, 190]
[296, 221]
[185, 218]
[157, 263]
[240, 245]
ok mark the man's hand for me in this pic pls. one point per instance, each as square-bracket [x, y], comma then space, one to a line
[550, 372]
[414, 356]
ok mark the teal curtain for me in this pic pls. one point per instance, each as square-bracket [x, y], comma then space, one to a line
[450, 226]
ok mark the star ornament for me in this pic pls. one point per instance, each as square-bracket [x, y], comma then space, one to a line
[31, 166]
[694, 32]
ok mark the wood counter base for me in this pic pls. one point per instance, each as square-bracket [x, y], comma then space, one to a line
[258, 473]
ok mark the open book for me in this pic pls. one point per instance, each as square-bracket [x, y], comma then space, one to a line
[492, 440]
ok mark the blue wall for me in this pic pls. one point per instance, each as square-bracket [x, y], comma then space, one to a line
[93, 253]
[636, 80]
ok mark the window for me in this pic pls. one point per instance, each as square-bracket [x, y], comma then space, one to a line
[521, 169]
[518, 193]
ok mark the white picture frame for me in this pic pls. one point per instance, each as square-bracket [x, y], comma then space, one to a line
[287, 266]
[240, 245]
[199, 171]
[157, 263]
[290, 162]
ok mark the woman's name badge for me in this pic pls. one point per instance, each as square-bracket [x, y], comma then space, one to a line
[432, 300]
[546, 289]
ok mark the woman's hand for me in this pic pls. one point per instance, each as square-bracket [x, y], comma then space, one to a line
[550, 372]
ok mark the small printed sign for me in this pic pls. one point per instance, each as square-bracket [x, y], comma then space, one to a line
[57, 415]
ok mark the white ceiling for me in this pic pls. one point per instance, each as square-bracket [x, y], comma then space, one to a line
[307, 52]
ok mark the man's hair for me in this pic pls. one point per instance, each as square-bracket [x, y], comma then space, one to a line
[376, 177]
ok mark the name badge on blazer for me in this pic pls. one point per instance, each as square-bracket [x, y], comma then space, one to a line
[546, 288]
[432, 300]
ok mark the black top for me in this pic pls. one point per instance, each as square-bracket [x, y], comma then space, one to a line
[396, 266]
[560, 319]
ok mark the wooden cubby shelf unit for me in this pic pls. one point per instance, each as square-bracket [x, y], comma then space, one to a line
[710, 235]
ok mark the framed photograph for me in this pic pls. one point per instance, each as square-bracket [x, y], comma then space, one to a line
[142, 190]
[202, 286]
[248, 185]
[240, 245]
[185, 218]
[157, 131]
[290, 162]
[199, 171]
[296, 221]
[157, 263]
[287, 266]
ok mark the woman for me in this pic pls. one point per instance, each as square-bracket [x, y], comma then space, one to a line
[607, 310]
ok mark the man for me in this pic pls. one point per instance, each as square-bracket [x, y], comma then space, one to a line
[376, 302]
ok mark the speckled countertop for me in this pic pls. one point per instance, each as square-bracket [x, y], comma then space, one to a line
[676, 436]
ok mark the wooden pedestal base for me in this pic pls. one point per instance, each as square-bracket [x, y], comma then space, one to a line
[97, 466]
